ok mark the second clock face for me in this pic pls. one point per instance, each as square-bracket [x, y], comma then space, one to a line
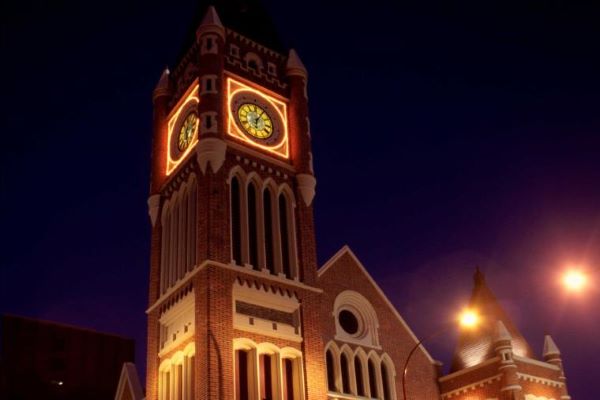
[187, 131]
[256, 118]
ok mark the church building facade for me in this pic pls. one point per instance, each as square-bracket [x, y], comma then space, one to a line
[238, 307]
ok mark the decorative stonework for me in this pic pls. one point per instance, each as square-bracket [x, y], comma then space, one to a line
[211, 151]
[153, 207]
[306, 186]
[266, 310]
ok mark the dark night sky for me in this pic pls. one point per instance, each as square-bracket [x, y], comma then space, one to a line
[446, 135]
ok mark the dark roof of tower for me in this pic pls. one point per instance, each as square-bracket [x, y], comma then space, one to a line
[247, 17]
[478, 345]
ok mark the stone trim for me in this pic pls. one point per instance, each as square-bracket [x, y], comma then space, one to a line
[472, 386]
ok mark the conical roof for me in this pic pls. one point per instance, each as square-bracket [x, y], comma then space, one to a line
[478, 345]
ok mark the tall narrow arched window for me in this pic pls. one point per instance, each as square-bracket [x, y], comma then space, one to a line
[330, 371]
[242, 387]
[373, 380]
[345, 373]
[385, 380]
[192, 226]
[284, 233]
[178, 236]
[164, 250]
[252, 226]
[236, 222]
[358, 372]
[268, 376]
[268, 223]
[288, 379]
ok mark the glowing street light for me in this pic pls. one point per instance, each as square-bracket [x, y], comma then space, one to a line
[574, 280]
[467, 319]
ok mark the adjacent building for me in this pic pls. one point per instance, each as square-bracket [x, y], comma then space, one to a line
[46, 360]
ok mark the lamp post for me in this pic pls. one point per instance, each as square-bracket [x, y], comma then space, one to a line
[467, 319]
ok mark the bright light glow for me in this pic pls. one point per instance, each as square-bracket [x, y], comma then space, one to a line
[184, 104]
[468, 318]
[234, 87]
[575, 280]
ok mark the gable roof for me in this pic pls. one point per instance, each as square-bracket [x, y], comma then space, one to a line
[129, 387]
[347, 251]
[477, 346]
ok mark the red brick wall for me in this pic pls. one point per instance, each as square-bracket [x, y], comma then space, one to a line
[395, 340]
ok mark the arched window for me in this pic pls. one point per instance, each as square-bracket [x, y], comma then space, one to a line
[236, 221]
[242, 387]
[385, 380]
[267, 376]
[178, 237]
[345, 373]
[358, 372]
[373, 380]
[288, 379]
[330, 371]
[252, 226]
[176, 376]
[285, 236]
[268, 223]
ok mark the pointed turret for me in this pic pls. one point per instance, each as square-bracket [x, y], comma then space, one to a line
[294, 65]
[211, 23]
[477, 346]
[552, 355]
[163, 87]
[501, 333]
[550, 348]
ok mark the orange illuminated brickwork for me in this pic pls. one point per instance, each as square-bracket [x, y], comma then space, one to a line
[236, 90]
[177, 152]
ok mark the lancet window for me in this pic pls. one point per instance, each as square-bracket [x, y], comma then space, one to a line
[356, 374]
[178, 239]
[262, 225]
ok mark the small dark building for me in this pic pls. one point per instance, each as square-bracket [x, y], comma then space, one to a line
[40, 359]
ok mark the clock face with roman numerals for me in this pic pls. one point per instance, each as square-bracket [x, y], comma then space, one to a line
[256, 118]
[255, 121]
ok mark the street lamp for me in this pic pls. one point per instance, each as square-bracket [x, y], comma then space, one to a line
[467, 319]
[575, 280]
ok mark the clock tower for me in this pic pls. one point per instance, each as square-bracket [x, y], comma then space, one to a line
[234, 305]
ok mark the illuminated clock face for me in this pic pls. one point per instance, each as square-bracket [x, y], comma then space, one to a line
[187, 131]
[255, 120]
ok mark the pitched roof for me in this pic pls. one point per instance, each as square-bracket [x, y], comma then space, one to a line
[346, 251]
[129, 387]
[478, 345]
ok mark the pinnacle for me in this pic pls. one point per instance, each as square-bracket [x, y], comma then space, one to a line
[501, 332]
[211, 18]
[163, 82]
[163, 87]
[294, 65]
[550, 348]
